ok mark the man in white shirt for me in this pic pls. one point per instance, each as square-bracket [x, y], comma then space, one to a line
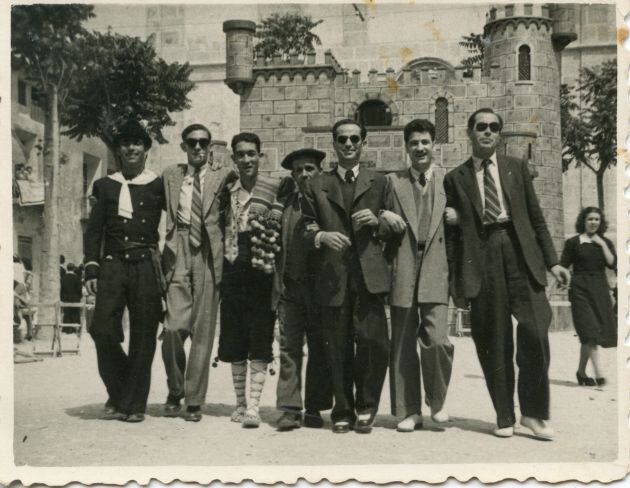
[499, 253]
[193, 261]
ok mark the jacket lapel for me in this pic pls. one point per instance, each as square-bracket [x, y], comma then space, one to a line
[175, 185]
[469, 182]
[363, 184]
[404, 192]
[211, 182]
[439, 203]
[505, 175]
[332, 186]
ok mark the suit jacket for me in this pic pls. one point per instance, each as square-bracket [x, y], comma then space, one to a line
[432, 285]
[324, 206]
[466, 247]
[213, 184]
[299, 268]
[71, 288]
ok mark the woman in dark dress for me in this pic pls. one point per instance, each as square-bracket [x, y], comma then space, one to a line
[590, 253]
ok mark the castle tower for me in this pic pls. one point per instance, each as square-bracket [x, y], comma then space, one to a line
[522, 52]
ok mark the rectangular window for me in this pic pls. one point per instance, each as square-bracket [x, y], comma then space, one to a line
[22, 90]
[25, 251]
[509, 10]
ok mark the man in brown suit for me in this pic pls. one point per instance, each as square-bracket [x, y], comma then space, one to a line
[193, 264]
[419, 295]
[297, 311]
[351, 277]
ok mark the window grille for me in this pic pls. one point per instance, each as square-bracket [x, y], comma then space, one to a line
[441, 120]
[374, 113]
[524, 63]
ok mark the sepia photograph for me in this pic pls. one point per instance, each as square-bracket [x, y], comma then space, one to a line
[370, 241]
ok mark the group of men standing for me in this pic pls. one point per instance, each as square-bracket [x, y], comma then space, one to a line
[349, 239]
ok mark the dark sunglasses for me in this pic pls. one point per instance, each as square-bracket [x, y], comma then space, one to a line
[354, 139]
[482, 126]
[192, 143]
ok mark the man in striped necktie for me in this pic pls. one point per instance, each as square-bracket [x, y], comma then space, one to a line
[193, 261]
[499, 255]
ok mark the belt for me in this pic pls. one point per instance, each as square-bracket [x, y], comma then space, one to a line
[182, 225]
[496, 226]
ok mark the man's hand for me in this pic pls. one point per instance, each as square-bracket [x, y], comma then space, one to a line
[450, 216]
[394, 221]
[335, 241]
[92, 286]
[215, 163]
[364, 217]
[561, 274]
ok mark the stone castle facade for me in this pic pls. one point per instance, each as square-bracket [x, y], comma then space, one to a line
[293, 103]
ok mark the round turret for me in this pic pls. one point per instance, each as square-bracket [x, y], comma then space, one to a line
[239, 53]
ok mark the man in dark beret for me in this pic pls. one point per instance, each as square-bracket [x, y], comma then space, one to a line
[124, 219]
[297, 310]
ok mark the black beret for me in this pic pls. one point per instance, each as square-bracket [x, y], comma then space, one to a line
[132, 129]
[317, 155]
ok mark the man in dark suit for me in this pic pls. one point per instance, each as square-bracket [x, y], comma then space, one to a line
[297, 311]
[351, 277]
[500, 251]
[124, 220]
[71, 292]
[193, 264]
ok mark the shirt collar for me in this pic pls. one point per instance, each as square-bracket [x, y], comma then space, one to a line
[190, 170]
[584, 238]
[477, 161]
[342, 171]
[415, 174]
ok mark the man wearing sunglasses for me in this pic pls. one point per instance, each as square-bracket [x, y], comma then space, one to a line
[500, 253]
[193, 262]
[351, 277]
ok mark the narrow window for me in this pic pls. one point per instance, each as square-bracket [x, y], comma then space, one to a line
[22, 93]
[441, 120]
[524, 63]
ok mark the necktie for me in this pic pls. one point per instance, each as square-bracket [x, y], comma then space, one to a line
[422, 179]
[195, 213]
[349, 177]
[492, 206]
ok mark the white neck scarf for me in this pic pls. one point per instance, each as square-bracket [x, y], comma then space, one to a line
[125, 208]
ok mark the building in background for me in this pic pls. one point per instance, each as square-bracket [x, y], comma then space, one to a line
[81, 164]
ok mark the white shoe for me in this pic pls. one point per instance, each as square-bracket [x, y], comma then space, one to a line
[409, 424]
[540, 428]
[440, 416]
[503, 431]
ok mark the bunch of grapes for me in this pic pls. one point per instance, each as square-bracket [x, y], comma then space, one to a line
[265, 242]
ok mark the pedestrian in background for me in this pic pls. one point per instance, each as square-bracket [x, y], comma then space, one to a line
[589, 253]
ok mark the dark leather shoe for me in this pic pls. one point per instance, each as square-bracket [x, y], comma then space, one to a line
[364, 426]
[193, 415]
[134, 417]
[172, 407]
[342, 427]
[313, 419]
[600, 381]
[289, 421]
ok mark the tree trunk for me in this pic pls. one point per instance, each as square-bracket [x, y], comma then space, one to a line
[599, 178]
[49, 277]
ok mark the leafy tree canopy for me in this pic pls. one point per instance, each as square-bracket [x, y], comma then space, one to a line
[41, 40]
[474, 45]
[286, 34]
[121, 77]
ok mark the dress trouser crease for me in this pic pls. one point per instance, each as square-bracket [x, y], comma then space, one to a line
[192, 303]
[507, 289]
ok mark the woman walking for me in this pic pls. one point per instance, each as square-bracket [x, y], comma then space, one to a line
[589, 253]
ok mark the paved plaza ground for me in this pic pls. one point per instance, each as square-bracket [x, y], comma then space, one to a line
[59, 401]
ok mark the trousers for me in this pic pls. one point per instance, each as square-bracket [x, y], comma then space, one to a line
[299, 317]
[132, 284]
[506, 290]
[192, 303]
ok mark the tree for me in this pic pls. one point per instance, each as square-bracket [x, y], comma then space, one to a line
[475, 45]
[286, 34]
[591, 140]
[121, 77]
[42, 38]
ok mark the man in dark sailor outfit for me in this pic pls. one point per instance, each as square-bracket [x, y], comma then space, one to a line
[123, 270]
